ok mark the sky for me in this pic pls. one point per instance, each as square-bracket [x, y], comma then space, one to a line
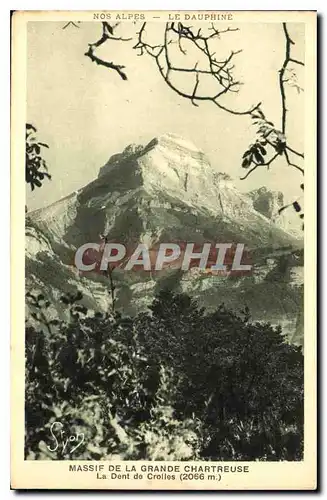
[86, 112]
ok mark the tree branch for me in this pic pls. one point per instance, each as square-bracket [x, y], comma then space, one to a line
[292, 164]
[107, 34]
[267, 132]
[295, 152]
[71, 23]
[295, 61]
[288, 43]
[256, 165]
[221, 71]
[107, 64]
[282, 80]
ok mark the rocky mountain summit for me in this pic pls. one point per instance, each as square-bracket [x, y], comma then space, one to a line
[269, 203]
[166, 191]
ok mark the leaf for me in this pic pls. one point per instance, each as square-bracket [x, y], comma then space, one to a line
[296, 206]
[54, 322]
[43, 144]
[302, 186]
[246, 163]
[29, 126]
[258, 157]
[262, 149]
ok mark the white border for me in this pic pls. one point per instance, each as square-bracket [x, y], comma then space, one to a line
[5, 160]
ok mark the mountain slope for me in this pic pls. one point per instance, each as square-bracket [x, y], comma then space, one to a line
[166, 191]
[161, 189]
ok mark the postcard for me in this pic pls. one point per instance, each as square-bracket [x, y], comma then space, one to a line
[164, 250]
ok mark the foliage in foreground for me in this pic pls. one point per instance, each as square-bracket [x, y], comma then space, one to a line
[169, 384]
[36, 168]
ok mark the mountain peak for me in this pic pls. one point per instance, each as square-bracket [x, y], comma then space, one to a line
[166, 191]
[167, 185]
[166, 143]
[172, 140]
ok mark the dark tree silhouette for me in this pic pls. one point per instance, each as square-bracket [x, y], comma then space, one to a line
[35, 166]
[161, 381]
[107, 34]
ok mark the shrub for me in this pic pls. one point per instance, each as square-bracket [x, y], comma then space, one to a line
[81, 379]
[241, 379]
[172, 383]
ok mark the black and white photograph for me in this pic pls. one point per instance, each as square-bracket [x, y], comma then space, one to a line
[166, 260]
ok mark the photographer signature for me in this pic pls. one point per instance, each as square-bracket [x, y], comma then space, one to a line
[63, 440]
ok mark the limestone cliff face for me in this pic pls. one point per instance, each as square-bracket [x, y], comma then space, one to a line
[165, 191]
[269, 203]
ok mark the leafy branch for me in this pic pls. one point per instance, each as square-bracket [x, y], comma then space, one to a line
[268, 134]
[35, 166]
[177, 42]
